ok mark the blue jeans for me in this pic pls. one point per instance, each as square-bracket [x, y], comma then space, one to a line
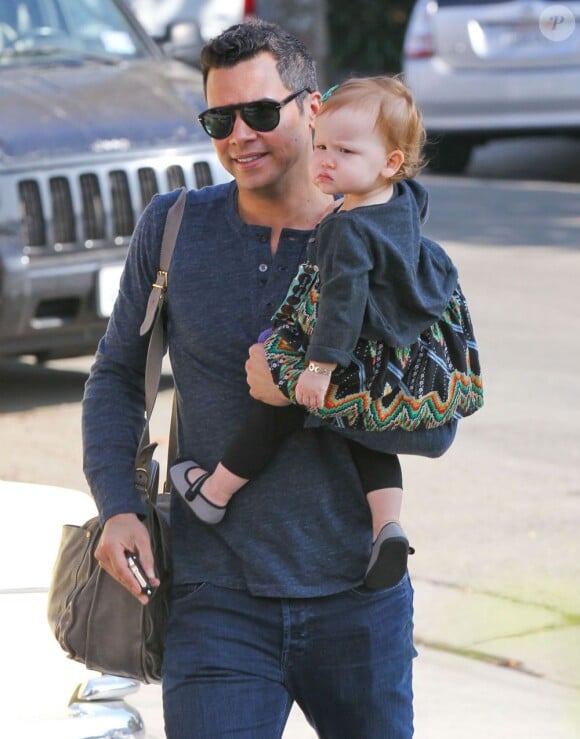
[235, 663]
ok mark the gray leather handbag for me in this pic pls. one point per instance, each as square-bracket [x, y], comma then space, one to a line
[94, 619]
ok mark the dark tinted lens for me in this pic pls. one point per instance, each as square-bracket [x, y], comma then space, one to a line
[261, 116]
[218, 125]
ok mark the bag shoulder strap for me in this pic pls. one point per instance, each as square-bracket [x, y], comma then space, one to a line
[154, 321]
[159, 287]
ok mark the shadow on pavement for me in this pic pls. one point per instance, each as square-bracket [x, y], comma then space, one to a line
[540, 158]
[549, 159]
[24, 386]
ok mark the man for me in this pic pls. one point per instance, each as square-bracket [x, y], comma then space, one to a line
[267, 607]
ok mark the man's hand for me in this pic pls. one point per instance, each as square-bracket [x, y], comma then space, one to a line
[260, 380]
[125, 532]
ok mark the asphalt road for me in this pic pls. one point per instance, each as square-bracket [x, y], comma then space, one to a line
[499, 513]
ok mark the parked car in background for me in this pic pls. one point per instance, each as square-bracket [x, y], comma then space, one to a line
[183, 26]
[488, 69]
[94, 120]
[37, 681]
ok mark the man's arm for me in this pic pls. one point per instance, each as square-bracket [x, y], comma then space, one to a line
[113, 410]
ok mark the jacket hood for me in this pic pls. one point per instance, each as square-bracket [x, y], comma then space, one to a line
[416, 191]
[426, 275]
[56, 110]
[411, 278]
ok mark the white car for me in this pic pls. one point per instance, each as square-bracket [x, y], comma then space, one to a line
[486, 69]
[205, 18]
[44, 694]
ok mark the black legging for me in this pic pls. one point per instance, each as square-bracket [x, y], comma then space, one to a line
[268, 426]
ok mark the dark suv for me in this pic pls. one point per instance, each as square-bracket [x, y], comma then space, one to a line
[94, 120]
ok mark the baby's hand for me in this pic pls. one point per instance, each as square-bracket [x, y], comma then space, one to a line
[311, 388]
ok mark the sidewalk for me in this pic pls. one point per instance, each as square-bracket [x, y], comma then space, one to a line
[488, 668]
[493, 668]
[532, 639]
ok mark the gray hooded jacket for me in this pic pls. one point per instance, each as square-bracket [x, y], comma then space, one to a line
[380, 278]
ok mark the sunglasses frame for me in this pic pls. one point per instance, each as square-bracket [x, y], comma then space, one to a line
[274, 105]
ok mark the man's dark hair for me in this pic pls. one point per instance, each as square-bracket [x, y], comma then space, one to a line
[244, 41]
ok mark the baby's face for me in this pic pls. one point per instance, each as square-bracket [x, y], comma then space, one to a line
[349, 154]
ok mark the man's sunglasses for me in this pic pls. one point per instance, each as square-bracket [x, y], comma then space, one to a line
[261, 115]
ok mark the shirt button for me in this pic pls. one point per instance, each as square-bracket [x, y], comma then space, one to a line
[263, 268]
[263, 238]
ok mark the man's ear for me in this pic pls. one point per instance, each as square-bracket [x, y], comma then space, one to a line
[393, 164]
[312, 107]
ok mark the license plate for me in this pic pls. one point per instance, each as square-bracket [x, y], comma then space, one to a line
[108, 288]
[514, 40]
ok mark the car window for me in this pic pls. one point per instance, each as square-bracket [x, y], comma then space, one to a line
[44, 30]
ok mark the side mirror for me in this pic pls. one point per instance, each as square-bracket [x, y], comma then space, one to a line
[184, 42]
[104, 688]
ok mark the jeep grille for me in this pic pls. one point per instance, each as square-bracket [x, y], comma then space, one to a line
[91, 209]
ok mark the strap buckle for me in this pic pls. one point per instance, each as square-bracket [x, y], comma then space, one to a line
[161, 282]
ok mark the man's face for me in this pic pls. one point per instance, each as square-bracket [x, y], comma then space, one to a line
[260, 160]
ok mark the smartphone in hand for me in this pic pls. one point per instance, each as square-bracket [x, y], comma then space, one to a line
[139, 574]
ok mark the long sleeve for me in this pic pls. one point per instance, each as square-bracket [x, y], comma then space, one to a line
[345, 263]
[114, 402]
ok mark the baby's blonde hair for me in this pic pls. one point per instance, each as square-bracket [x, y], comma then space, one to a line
[398, 119]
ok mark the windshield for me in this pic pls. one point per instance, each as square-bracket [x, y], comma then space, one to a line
[41, 31]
